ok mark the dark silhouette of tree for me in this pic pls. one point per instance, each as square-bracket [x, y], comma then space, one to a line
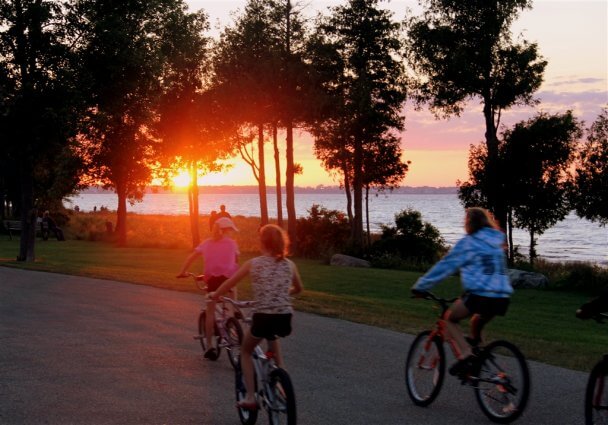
[38, 109]
[368, 87]
[463, 50]
[534, 158]
[122, 54]
[189, 125]
[590, 195]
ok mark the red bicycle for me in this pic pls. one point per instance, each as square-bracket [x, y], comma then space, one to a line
[500, 377]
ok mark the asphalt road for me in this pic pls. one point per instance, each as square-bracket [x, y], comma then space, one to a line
[75, 350]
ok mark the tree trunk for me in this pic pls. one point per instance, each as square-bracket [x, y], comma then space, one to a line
[289, 188]
[349, 197]
[277, 169]
[121, 215]
[193, 204]
[28, 214]
[262, 175]
[369, 237]
[357, 236]
[289, 163]
[510, 239]
[495, 198]
[532, 248]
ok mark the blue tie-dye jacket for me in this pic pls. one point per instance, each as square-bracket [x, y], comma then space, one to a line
[481, 261]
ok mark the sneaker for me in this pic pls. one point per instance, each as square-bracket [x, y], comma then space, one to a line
[464, 366]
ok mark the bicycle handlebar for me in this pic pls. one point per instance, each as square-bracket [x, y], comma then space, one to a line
[427, 295]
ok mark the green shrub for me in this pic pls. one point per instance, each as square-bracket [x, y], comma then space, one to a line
[416, 242]
[323, 233]
[575, 276]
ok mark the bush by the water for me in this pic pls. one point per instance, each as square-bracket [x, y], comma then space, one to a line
[411, 243]
[575, 276]
[322, 233]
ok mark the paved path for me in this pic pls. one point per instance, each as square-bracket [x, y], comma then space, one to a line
[75, 350]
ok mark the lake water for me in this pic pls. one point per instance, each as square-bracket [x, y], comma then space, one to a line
[572, 239]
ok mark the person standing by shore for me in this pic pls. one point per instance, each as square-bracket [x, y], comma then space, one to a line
[223, 212]
[220, 254]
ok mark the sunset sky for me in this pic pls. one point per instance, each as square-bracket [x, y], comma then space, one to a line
[572, 36]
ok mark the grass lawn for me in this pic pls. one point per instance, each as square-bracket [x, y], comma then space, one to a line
[541, 323]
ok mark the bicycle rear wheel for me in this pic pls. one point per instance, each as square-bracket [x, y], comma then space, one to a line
[281, 402]
[425, 369]
[596, 396]
[203, 335]
[234, 335]
[503, 382]
[247, 417]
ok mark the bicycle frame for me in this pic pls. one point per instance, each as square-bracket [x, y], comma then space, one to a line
[263, 363]
[440, 328]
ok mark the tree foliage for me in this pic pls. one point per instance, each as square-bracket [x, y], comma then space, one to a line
[123, 61]
[39, 109]
[463, 50]
[534, 159]
[590, 197]
[362, 48]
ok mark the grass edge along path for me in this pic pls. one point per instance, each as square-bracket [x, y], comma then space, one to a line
[540, 322]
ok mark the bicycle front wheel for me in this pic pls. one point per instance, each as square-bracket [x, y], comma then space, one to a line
[596, 396]
[425, 368]
[247, 416]
[503, 382]
[234, 335]
[203, 335]
[281, 400]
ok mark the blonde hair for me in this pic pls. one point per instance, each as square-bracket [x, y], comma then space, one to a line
[274, 240]
[477, 218]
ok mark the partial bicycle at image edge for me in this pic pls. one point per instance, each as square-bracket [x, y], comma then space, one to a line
[499, 377]
[596, 393]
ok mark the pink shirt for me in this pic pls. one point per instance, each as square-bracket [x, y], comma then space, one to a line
[220, 256]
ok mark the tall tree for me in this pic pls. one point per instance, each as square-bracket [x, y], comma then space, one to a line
[534, 158]
[463, 50]
[590, 197]
[188, 126]
[38, 106]
[370, 84]
[124, 61]
[246, 64]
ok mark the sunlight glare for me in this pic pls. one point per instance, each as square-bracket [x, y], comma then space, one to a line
[181, 179]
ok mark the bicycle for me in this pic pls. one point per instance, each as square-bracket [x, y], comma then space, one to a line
[273, 388]
[596, 396]
[227, 329]
[499, 377]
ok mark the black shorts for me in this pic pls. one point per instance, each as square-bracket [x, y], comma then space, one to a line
[271, 326]
[486, 306]
[214, 282]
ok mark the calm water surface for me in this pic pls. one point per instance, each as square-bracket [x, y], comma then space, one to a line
[573, 239]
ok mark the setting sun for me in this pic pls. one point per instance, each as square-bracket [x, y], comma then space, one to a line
[181, 179]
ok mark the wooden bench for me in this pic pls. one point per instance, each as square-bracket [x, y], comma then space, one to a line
[15, 226]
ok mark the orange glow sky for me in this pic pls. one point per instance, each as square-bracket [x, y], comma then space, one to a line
[572, 36]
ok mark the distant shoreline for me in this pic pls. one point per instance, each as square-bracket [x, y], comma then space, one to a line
[227, 189]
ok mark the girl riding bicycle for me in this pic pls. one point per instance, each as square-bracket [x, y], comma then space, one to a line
[221, 254]
[480, 258]
[274, 279]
